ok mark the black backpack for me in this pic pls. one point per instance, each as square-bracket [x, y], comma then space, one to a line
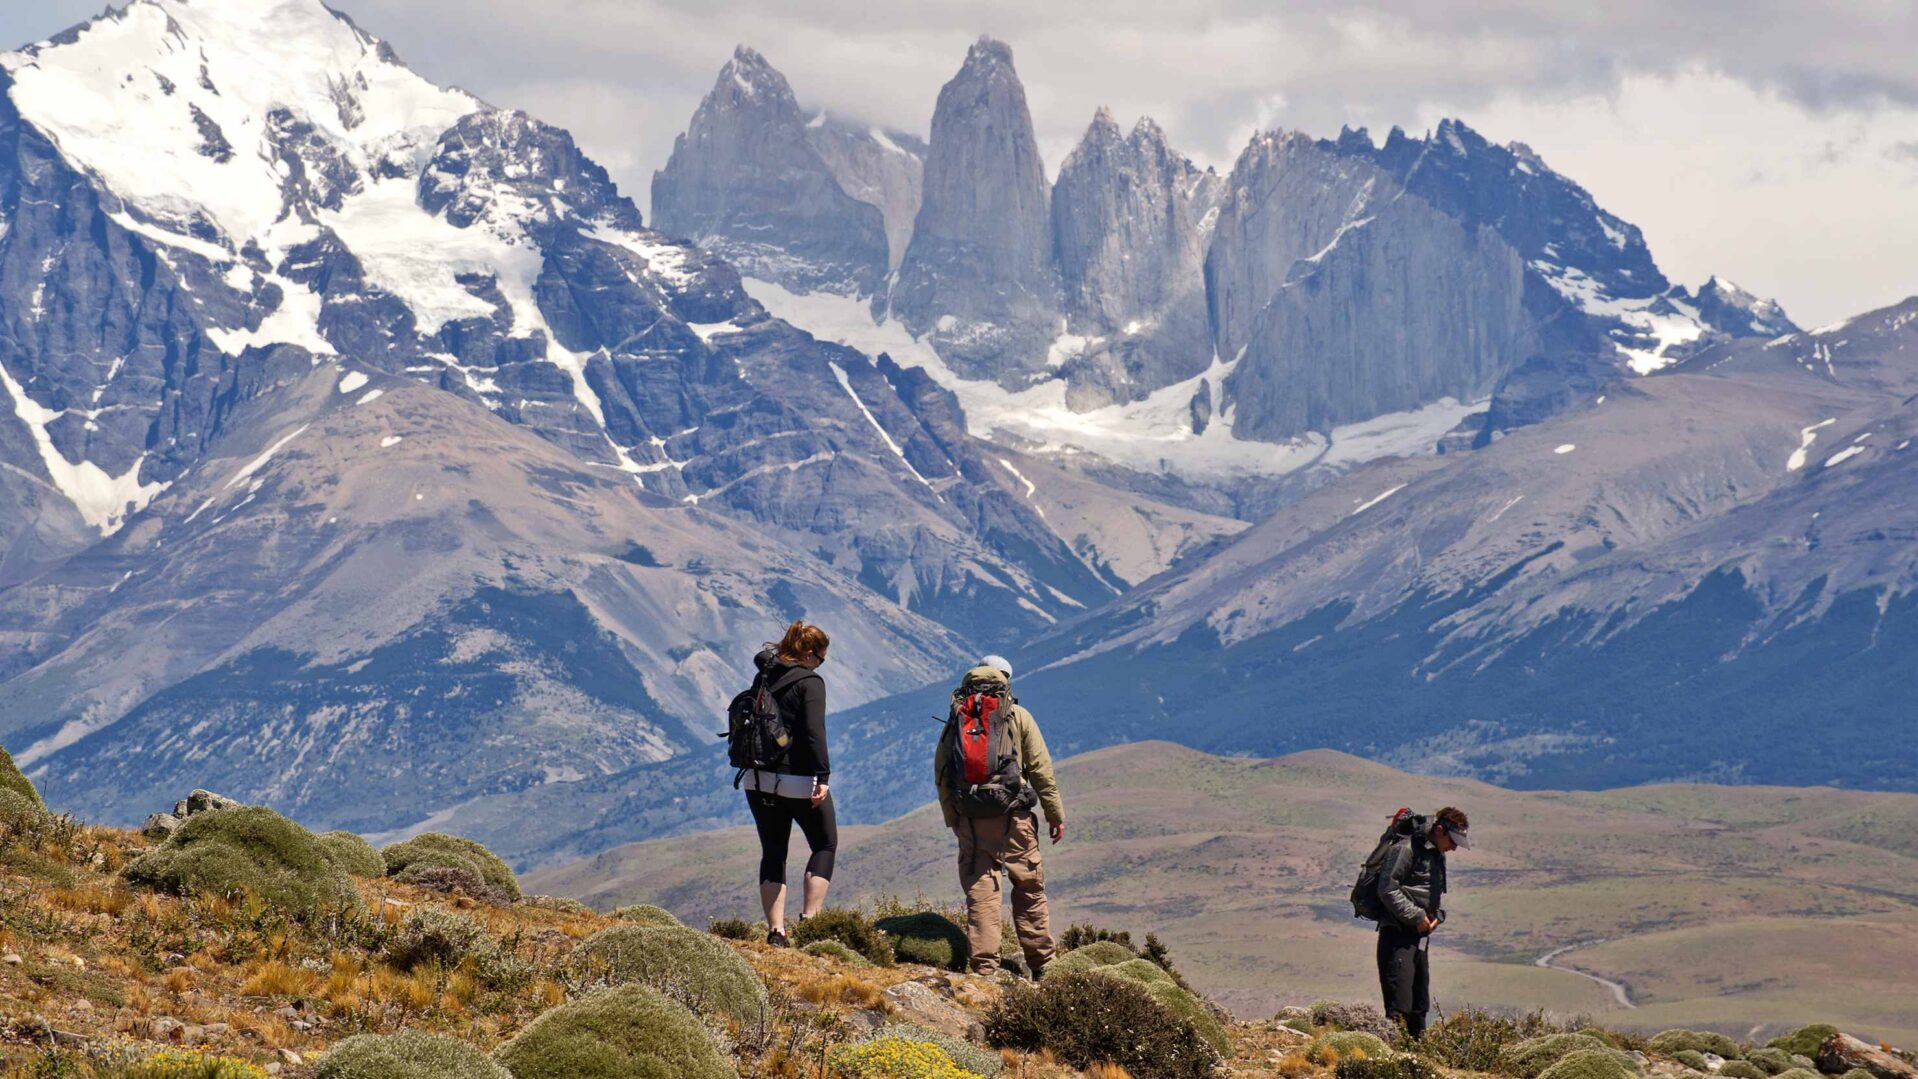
[985, 774]
[1365, 893]
[755, 729]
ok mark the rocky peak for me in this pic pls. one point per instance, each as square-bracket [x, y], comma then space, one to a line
[1739, 313]
[747, 183]
[978, 274]
[878, 166]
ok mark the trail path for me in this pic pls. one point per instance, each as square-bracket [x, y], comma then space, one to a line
[1619, 992]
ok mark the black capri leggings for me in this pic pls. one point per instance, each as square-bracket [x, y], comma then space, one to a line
[775, 816]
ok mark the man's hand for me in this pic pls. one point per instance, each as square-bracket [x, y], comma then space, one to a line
[1056, 829]
[1427, 924]
[819, 792]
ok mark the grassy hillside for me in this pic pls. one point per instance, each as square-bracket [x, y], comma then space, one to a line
[1736, 908]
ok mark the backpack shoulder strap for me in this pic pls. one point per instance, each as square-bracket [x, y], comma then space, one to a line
[791, 678]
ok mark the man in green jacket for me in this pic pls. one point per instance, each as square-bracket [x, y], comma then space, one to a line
[990, 812]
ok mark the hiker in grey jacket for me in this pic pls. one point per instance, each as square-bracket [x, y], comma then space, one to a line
[1411, 886]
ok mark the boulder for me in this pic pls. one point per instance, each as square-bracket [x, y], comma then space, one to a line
[161, 825]
[1842, 1052]
[915, 1003]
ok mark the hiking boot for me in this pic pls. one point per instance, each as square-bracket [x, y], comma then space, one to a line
[1038, 973]
[777, 938]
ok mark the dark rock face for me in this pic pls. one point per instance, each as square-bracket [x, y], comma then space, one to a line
[746, 182]
[1131, 220]
[884, 168]
[1739, 313]
[978, 276]
[1339, 297]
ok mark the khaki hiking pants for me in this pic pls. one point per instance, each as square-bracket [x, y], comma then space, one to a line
[987, 845]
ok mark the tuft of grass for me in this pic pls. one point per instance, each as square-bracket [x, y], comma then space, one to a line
[1340, 1045]
[272, 978]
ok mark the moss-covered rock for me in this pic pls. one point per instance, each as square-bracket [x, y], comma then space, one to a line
[1800, 1073]
[646, 914]
[1704, 1041]
[410, 860]
[408, 1054]
[1859, 1073]
[1741, 1069]
[1104, 953]
[832, 949]
[1601, 1034]
[1533, 1055]
[352, 854]
[926, 937]
[1345, 1044]
[1592, 1064]
[13, 779]
[982, 1062]
[1693, 1059]
[692, 967]
[248, 850]
[624, 1032]
[1805, 1040]
[1770, 1058]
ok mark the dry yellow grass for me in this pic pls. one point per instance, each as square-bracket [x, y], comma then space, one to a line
[273, 978]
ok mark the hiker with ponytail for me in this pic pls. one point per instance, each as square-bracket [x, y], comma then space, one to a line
[778, 734]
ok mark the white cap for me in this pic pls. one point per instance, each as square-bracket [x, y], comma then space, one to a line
[998, 663]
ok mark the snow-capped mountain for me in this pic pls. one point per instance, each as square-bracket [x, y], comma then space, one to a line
[224, 220]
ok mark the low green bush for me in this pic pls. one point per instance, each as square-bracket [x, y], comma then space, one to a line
[691, 967]
[1770, 1058]
[1800, 1073]
[168, 1064]
[13, 779]
[646, 914]
[622, 1032]
[832, 949]
[1112, 959]
[1338, 1016]
[248, 850]
[1084, 933]
[1086, 1018]
[982, 1062]
[926, 937]
[561, 903]
[1532, 1056]
[17, 810]
[352, 854]
[1859, 1073]
[436, 936]
[1601, 1034]
[1396, 1066]
[407, 1054]
[1693, 1059]
[1592, 1064]
[893, 1058]
[1475, 1040]
[1805, 1040]
[737, 929]
[1340, 1045]
[848, 927]
[409, 860]
[1705, 1041]
[1741, 1069]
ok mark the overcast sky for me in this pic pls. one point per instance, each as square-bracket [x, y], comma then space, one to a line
[1764, 140]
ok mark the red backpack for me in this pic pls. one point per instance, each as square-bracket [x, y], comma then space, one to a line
[985, 773]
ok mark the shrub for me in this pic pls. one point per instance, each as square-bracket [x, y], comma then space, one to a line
[1859, 1073]
[13, 779]
[848, 927]
[1085, 1019]
[1693, 1059]
[1397, 1066]
[894, 1058]
[1344, 1044]
[248, 850]
[1078, 936]
[685, 964]
[1805, 1040]
[17, 810]
[1476, 1040]
[1592, 1064]
[452, 852]
[352, 854]
[1601, 1034]
[1741, 1069]
[436, 936]
[1532, 1056]
[560, 903]
[1799, 1073]
[616, 1033]
[737, 929]
[452, 880]
[1092, 956]
[1331, 1013]
[979, 1061]
[177, 1064]
[926, 937]
[1770, 1058]
[832, 949]
[646, 914]
[407, 1055]
[1671, 1041]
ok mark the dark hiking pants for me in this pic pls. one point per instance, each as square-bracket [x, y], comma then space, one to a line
[775, 816]
[1404, 977]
